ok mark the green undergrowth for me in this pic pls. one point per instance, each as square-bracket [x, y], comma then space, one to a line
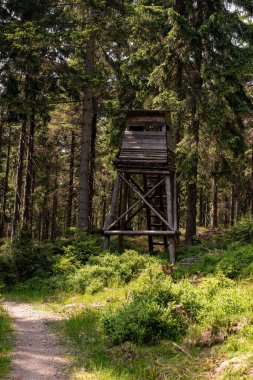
[236, 262]
[165, 330]
[69, 276]
[126, 318]
[5, 343]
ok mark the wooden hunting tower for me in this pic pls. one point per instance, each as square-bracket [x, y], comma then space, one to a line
[144, 200]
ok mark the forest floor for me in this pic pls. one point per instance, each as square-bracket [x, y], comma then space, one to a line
[48, 323]
[37, 354]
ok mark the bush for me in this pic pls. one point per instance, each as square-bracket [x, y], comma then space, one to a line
[235, 262]
[83, 246]
[151, 314]
[107, 270]
[241, 232]
[163, 309]
[26, 259]
[70, 275]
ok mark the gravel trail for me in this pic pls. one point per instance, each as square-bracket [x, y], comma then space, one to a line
[37, 354]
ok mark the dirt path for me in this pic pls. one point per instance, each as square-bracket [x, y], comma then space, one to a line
[37, 354]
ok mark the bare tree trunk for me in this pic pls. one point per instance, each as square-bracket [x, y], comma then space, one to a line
[32, 205]
[214, 210]
[92, 163]
[201, 208]
[5, 188]
[192, 194]
[71, 180]
[232, 205]
[84, 190]
[251, 183]
[53, 232]
[1, 152]
[227, 209]
[45, 221]
[29, 170]
[19, 178]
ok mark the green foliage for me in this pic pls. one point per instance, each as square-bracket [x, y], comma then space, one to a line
[151, 313]
[241, 232]
[70, 275]
[235, 262]
[81, 246]
[160, 308]
[26, 259]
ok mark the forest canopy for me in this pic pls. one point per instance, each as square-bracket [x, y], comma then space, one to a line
[68, 68]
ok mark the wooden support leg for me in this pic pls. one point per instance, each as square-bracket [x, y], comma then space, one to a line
[172, 250]
[123, 208]
[109, 219]
[175, 206]
[170, 216]
[148, 214]
[165, 238]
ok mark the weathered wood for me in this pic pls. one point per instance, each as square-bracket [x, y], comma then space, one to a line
[150, 240]
[140, 233]
[134, 205]
[170, 217]
[175, 202]
[109, 219]
[147, 203]
[145, 151]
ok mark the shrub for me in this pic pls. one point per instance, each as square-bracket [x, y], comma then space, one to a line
[235, 262]
[143, 321]
[242, 232]
[83, 246]
[163, 309]
[107, 270]
[152, 312]
[70, 275]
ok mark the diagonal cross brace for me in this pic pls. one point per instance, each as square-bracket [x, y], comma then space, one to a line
[147, 203]
[135, 204]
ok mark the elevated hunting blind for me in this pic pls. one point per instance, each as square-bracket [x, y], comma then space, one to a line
[144, 200]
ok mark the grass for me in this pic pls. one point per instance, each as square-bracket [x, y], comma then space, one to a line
[96, 358]
[218, 342]
[5, 343]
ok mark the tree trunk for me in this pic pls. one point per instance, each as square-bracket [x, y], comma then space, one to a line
[84, 190]
[92, 163]
[19, 178]
[232, 205]
[71, 180]
[251, 183]
[227, 209]
[5, 187]
[214, 210]
[45, 221]
[191, 213]
[32, 205]
[29, 170]
[1, 152]
[201, 208]
[53, 232]
[192, 195]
